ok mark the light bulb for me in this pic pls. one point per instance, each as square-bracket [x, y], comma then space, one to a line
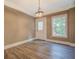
[39, 14]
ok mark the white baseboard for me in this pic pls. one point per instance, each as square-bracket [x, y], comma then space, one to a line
[61, 42]
[25, 41]
[17, 43]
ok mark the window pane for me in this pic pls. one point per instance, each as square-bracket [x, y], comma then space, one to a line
[40, 25]
[59, 25]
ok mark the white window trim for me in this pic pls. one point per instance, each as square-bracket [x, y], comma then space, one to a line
[66, 31]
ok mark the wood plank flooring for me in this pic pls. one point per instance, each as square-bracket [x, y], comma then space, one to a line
[39, 49]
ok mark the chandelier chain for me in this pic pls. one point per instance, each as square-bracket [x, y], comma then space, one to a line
[39, 5]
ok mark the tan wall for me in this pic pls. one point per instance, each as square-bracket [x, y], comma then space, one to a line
[71, 26]
[18, 26]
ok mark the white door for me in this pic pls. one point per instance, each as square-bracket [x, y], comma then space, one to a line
[41, 28]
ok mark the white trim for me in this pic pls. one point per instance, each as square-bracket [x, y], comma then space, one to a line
[61, 42]
[17, 43]
[25, 41]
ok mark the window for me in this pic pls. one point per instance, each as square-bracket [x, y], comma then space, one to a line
[59, 25]
[40, 25]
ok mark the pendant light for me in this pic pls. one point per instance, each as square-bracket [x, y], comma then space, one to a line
[39, 13]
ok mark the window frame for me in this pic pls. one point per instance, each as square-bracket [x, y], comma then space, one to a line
[52, 26]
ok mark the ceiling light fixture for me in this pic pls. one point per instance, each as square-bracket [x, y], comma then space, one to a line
[39, 13]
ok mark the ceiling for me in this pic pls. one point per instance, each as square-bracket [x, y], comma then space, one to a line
[48, 6]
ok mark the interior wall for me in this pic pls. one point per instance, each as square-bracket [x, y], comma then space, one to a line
[17, 26]
[71, 26]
